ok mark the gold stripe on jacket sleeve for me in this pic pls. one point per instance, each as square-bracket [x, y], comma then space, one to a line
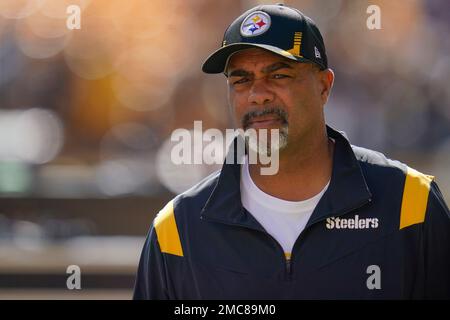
[415, 198]
[167, 231]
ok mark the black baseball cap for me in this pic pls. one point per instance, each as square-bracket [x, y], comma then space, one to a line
[278, 28]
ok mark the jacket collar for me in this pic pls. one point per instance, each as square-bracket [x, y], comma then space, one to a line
[348, 190]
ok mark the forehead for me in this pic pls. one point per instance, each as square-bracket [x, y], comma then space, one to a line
[254, 58]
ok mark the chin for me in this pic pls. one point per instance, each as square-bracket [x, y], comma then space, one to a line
[267, 144]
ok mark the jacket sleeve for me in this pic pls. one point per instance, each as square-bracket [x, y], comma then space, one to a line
[151, 277]
[437, 246]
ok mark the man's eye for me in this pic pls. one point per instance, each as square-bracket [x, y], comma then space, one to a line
[241, 81]
[279, 76]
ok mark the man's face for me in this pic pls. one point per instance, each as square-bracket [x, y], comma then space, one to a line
[272, 92]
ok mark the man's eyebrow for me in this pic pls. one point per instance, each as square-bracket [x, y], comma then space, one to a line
[271, 68]
[239, 73]
[276, 66]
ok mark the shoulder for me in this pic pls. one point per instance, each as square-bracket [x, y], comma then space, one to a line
[397, 183]
[376, 166]
[375, 162]
[167, 221]
[197, 195]
[194, 198]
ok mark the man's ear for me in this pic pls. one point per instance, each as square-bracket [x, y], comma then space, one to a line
[327, 80]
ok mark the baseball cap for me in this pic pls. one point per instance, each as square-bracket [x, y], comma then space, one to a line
[278, 28]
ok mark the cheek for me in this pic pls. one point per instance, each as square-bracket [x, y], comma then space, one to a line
[237, 102]
[303, 96]
[301, 105]
[237, 108]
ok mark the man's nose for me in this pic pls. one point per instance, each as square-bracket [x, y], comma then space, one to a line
[260, 92]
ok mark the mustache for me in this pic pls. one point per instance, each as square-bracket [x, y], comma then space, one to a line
[246, 119]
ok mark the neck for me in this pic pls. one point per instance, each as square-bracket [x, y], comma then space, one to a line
[304, 169]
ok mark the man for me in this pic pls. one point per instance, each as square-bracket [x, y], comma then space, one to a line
[336, 221]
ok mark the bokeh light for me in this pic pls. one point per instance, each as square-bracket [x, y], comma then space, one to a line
[18, 9]
[33, 136]
[180, 177]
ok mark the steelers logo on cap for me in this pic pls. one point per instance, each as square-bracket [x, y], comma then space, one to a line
[255, 24]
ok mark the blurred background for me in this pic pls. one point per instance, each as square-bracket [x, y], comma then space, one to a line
[86, 117]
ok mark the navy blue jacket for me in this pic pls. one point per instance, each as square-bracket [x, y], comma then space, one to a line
[380, 231]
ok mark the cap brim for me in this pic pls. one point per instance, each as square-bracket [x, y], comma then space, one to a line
[218, 60]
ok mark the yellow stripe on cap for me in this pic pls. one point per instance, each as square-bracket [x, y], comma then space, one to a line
[415, 198]
[167, 231]
[295, 50]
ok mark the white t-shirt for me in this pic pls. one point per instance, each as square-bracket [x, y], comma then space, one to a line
[283, 220]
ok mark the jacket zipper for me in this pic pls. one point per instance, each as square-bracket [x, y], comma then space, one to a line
[288, 267]
[289, 261]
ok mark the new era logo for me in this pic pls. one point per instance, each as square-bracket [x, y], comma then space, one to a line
[317, 53]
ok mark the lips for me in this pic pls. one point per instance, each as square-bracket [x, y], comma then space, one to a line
[264, 121]
[266, 118]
